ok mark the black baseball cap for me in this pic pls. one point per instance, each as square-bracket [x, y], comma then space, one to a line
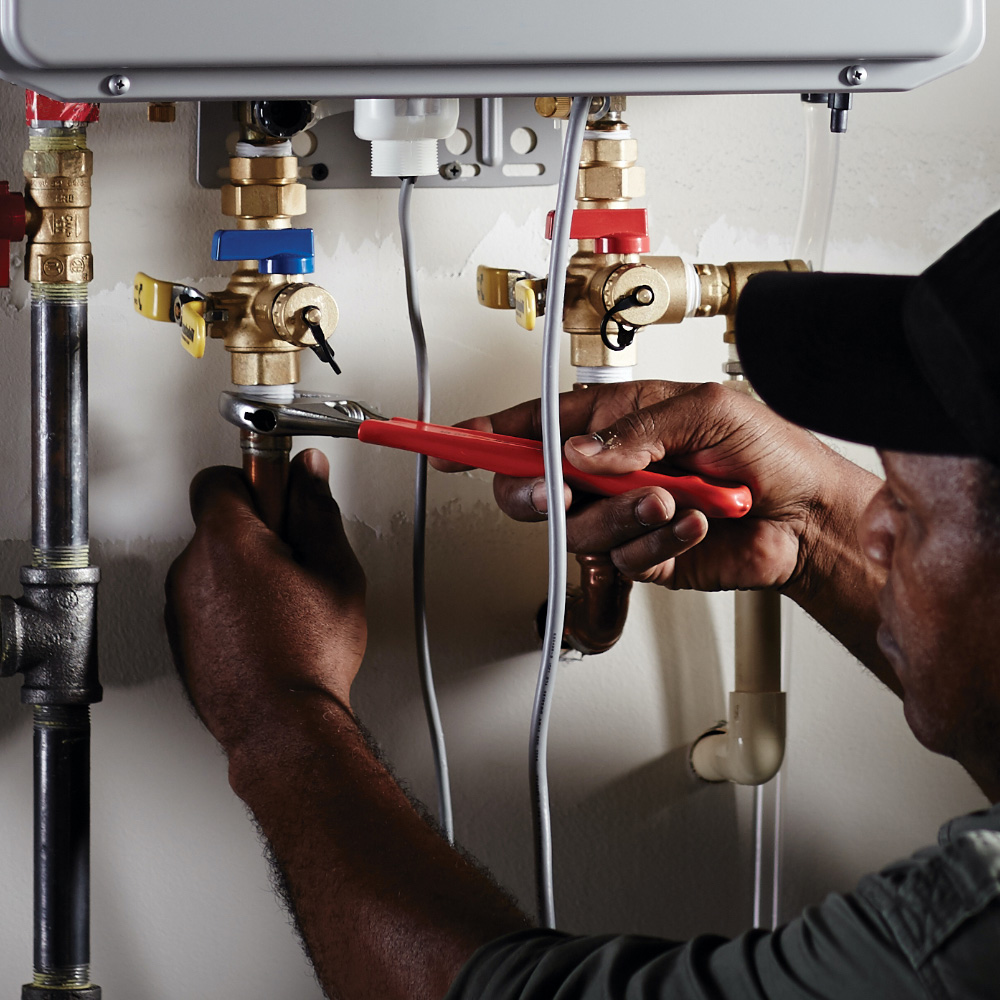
[904, 363]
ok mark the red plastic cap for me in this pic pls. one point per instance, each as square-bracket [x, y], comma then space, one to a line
[11, 228]
[615, 230]
[43, 109]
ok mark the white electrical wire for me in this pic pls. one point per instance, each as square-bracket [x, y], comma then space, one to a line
[552, 451]
[445, 816]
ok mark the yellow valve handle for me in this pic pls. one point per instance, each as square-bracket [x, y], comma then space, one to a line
[194, 329]
[153, 298]
[529, 301]
[493, 285]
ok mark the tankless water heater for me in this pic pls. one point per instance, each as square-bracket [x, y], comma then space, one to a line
[193, 49]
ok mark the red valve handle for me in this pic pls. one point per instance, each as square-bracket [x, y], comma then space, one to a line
[514, 456]
[615, 230]
[12, 222]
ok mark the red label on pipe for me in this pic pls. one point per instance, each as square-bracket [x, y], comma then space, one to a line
[38, 108]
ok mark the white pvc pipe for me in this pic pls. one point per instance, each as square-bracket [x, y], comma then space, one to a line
[749, 748]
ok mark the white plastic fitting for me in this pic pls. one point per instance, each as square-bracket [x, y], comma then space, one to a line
[404, 132]
[749, 747]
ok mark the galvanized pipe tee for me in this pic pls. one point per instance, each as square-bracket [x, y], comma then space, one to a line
[49, 635]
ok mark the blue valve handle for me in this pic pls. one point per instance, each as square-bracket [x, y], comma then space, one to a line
[277, 251]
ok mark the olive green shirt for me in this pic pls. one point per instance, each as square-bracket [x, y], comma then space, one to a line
[926, 927]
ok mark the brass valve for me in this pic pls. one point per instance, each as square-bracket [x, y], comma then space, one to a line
[613, 286]
[57, 204]
[266, 314]
[263, 315]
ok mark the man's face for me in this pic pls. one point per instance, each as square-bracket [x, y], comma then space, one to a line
[940, 606]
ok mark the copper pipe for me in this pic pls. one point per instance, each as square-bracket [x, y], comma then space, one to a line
[597, 609]
[265, 464]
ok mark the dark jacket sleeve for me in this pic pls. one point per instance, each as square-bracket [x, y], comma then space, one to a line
[927, 927]
[841, 949]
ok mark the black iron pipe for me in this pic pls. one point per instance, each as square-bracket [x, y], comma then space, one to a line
[62, 729]
[59, 426]
[62, 845]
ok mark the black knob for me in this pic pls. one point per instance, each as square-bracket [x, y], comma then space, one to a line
[281, 119]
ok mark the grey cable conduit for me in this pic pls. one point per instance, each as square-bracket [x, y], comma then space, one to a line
[445, 816]
[552, 451]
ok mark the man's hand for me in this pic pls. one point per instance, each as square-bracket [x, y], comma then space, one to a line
[268, 634]
[705, 429]
[257, 621]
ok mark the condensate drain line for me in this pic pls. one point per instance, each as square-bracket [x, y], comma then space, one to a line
[445, 816]
[811, 241]
[552, 451]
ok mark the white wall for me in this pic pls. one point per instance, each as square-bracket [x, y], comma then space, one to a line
[181, 903]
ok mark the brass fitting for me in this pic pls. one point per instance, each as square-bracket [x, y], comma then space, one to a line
[57, 203]
[560, 107]
[264, 191]
[608, 172]
[721, 287]
[161, 111]
[554, 107]
[594, 286]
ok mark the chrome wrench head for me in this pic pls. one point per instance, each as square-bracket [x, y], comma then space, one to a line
[313, 413]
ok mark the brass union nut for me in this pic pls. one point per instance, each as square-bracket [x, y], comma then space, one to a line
[610, 183]
[623, 152]
[58, 163]
[262, 201]
[247, 169]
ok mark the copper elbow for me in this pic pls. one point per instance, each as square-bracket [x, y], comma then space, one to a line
[597, 609]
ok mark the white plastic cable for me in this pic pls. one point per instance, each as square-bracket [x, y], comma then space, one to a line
[552, 452]
[445, 816]
[811, 240]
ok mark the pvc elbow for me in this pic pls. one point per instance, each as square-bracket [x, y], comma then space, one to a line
[750, 747]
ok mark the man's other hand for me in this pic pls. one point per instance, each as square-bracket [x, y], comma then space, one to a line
[705, 429]
[257, 621]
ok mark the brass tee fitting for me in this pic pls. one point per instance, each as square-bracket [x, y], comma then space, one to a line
[57, 203]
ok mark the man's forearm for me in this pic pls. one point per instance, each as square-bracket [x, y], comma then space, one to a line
[387, 908]
[838, 585]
